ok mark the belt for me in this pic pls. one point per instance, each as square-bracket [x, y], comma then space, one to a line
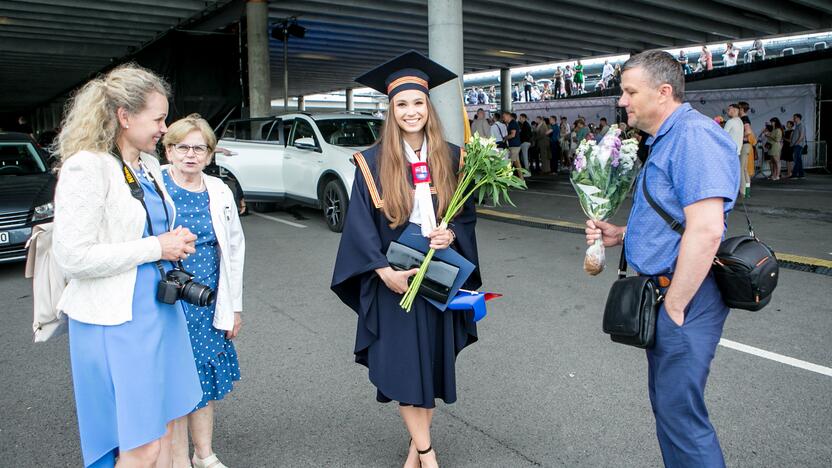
[662, 280]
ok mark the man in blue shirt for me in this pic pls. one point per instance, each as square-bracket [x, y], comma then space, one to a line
[554, 142]
[692, 173]
[798, 143]
[513, 139]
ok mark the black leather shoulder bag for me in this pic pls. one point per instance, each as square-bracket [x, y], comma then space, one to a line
[632, 308]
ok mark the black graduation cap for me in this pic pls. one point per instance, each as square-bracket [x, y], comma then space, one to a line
[410, 70]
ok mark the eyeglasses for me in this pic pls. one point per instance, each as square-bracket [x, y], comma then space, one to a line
[199, 150]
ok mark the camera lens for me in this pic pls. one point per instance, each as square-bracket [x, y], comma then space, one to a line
[198, 294]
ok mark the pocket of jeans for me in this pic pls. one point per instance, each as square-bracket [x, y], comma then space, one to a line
[663, 311]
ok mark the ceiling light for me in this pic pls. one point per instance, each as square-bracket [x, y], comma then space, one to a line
[315, 57]
[511, 52]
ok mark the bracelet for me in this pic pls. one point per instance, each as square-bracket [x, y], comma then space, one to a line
[453, 236]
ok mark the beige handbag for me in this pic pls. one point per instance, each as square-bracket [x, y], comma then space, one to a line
[48, 283]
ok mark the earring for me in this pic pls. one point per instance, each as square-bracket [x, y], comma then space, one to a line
[126, 126]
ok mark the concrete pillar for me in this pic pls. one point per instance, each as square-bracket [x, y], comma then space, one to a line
[445, 46]
[259, 80]
[350, 100]
[301, 103]
[505, 89]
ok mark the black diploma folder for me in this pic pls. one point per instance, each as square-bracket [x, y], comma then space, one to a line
[439, 278]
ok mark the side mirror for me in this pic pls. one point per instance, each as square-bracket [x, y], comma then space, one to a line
[307, 143]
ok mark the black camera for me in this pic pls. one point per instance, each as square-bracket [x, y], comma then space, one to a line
[179, 284]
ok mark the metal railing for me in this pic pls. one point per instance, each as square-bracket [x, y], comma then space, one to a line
[815, 155]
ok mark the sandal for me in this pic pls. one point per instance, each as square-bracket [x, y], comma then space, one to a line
[424, 452]
[210, 461]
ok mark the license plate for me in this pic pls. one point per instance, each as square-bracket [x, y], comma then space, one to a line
[4, 238]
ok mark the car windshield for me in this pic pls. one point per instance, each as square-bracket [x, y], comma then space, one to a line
[350, 132]
[20, 158]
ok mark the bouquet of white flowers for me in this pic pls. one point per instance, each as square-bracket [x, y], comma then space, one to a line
[602, 175]
[486, 172]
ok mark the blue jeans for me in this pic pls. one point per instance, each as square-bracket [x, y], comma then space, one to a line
[797, 154]
[678, 368]
[554, 148]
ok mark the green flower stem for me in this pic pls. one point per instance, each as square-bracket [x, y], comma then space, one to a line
[456, 204]
[485, 167]
[413, 289]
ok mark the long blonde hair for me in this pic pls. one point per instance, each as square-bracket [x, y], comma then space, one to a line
[90, 120]
[398, 198]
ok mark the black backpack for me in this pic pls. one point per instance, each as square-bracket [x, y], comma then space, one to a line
[745, 268]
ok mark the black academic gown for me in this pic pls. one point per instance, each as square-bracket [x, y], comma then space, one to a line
[410, 356]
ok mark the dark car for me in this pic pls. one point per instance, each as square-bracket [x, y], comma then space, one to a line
[27, 187]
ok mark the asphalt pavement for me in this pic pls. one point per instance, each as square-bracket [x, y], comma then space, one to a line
[543, 386]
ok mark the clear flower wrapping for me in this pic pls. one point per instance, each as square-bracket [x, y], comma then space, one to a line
[602, 175]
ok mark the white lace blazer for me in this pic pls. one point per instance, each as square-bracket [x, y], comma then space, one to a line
[97, 238]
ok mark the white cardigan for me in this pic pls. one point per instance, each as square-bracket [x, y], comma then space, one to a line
[232, 245]
[97, 237]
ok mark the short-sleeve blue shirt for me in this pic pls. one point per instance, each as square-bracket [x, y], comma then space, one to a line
[513, 142]
[691, 159]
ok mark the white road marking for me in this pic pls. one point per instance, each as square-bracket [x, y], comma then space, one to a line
[776, 357]
[279, 220]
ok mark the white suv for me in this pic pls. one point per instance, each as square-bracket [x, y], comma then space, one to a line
[297, 159]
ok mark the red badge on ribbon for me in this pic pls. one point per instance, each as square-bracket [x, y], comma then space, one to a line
[420, 172]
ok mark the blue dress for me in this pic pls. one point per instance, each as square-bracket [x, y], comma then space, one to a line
[214, 354]
[132, 379]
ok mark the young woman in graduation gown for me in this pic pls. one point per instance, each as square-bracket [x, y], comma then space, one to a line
[410, 356]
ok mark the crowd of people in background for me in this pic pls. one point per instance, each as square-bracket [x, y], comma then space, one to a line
[775, 144]
[546, 145]
[571, 80]
[481, 96]
[542, 145]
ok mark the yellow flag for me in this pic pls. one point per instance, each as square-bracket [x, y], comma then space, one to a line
[465, 124]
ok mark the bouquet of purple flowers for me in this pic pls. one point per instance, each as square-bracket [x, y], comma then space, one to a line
[602, 175]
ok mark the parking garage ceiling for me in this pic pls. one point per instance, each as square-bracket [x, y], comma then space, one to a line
[49, 46]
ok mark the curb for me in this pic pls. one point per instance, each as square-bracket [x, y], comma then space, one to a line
[789, 261]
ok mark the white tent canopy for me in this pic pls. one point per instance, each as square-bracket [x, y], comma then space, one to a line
[766, 102]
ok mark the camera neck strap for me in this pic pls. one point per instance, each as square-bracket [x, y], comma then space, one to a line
[138, 193]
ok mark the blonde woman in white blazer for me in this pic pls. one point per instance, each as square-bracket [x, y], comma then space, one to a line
[132, 363]
[206, 206]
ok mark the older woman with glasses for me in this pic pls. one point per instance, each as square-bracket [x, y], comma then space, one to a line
[207, 207]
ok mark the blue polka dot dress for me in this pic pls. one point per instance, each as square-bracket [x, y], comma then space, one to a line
[214, 354]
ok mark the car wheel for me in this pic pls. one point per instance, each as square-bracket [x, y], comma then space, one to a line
[335, 205]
